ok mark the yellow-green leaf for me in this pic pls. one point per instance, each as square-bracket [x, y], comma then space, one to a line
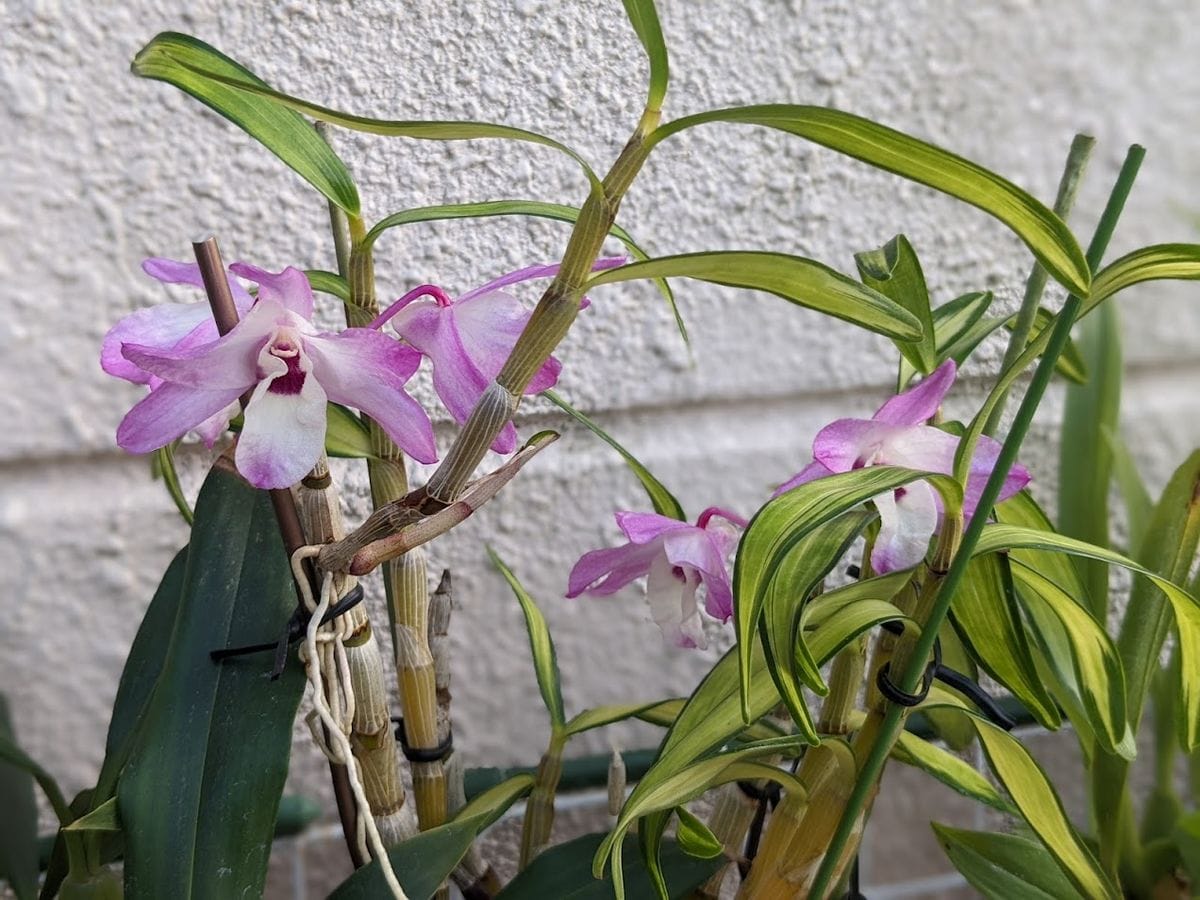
[545, 662]
[644, 19]
[895, 272]
[1042, 231]
[798, 280]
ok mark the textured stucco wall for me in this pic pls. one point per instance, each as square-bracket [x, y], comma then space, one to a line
[102, 169]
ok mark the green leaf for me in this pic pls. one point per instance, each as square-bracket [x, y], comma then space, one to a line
[1069, 364]
[199, 792]
[795, 279]
[1039, 805]
[164, 468]
[788, 657]
[18, 825]
[423, 862]
[1094, 658]
[951, 321]
[895, 272]
[1187, 838]
[545, 661]
[1185, 608]
[1042, 231]
[197, 69]
[690, 782]
[535, 208]
[694, 837]
[1003, 866]
[1154, 263]
[329, 283]
[13, 756]
[987, 617]
[147, 656]
[564, 873]
[663, 501]
[346, 435]
[644, 19]
[952, 771]
[1085, 459]
[1135, 496]
[606, 715]
[785, 521]
[183, 60]
[103, 818]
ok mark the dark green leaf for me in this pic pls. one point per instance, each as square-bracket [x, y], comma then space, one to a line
[18, 824]
[1043, 232]
[1135, 496]
[103, 818]
[798, 280]
[536, 208]
[186, 61]
[663, 501]
[564, 873]
[986, 615]
[423, 862]
[1187, 838]
[895, 272]
[545, 661]
[199, 792]
[146, 658]
[1005, 866]
[196, 68]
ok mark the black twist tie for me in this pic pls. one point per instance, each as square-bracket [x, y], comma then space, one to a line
[317, 482]
[422, 754]
[293, 632]
[769, 794]
[888, 688]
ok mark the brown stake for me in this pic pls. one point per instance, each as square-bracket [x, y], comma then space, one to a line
[225, 314]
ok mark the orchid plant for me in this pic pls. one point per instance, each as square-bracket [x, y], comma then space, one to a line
[865, 597]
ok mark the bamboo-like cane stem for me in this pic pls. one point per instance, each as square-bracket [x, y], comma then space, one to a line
[371, 733]
[404, 577]
[539, 809]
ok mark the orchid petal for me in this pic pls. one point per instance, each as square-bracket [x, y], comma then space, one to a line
[167, 413]
[284, 433]
[289, 288]
[212, 428]
[368, 370]
[918, 404]
[225, 363]
[982, 463]
[848, 444]
[488, 326]
[160, 327]
[696, 550]
[671, 595]
[170, 271]
[920, 447]
[811, 472]
[606, 571]
[907, 519]
[642, 528]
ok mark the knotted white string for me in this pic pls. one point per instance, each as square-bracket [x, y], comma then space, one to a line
[324, 654]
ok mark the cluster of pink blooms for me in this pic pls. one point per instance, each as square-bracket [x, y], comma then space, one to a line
[290, 370]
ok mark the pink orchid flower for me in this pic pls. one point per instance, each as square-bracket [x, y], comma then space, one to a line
[678, 558]
[897, 435]
[292, 370]
[468, 339]
[172, 326]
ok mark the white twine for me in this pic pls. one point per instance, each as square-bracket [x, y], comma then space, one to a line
[324, 653]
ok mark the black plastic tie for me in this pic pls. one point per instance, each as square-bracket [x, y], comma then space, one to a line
[422, 754]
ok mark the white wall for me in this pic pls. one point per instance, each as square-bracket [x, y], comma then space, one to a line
[102, 169]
